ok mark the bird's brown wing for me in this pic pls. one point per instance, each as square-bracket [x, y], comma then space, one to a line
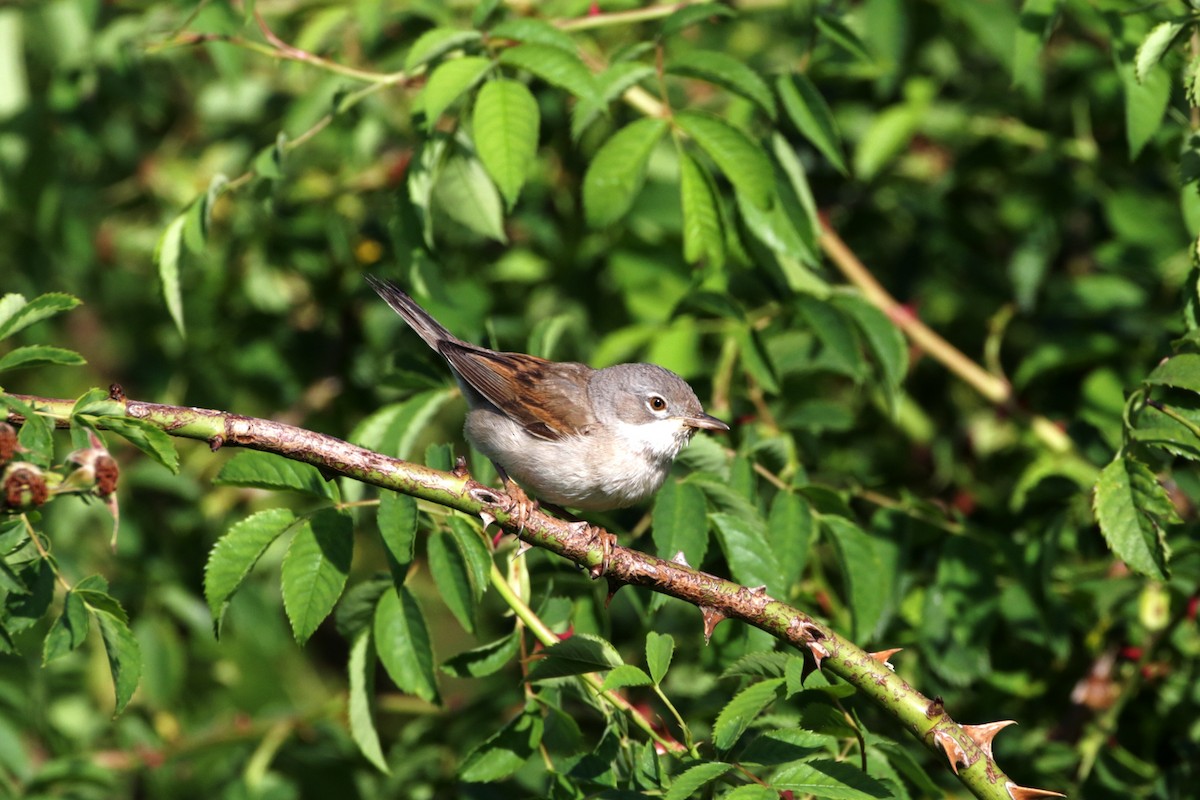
[549, 398]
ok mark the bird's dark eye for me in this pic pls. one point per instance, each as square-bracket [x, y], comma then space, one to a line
[656, 403]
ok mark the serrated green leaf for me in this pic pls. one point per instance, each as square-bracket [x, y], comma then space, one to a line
[166, 256]
[809, 112]
[449, 570]
[465, 194]
[868, 574]
[39, 354]
[1131, 508]
[1181, 371]
[361, 669]
[740, 712]
[790, 529]
[145, 436]
[840, 347]
[236, 553]
[686, 784]
[558, 67]
[577, 655]
[1145, 104]
[660, 647]
[743, 162]
[1155, 46]
[618, 171]
[506, 121]
[397, 522]
[269, 471]
[748, 553]
[36, 435]
[448, 82]
[315, 569]
[505, 751]
[703, 239]
[624, 676]
[530, 29]
[761, 664]
[1168, 431]
[611, 83]
[435, 43]
[751, 791]
[476, 554]
[725, 71]
[16, 314]
[485, 660]
[24, 610]
[69, 630]
[679, 522]
[124, 655]
[885, 342]
[826, 778]
[688, 15]
[402, 641]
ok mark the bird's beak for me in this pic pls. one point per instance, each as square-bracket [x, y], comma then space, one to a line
[705, 422]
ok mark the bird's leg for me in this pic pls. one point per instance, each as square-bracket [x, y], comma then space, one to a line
[606, 540]
[521, 505]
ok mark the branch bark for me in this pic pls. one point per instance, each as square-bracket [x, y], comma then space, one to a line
[717, 598]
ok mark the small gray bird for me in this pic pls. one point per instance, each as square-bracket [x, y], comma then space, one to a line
[583, 438]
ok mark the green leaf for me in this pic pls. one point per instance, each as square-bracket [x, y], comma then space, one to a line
[1033, 30]
[236, 553]
[618, 171]
[744, 163]
[887, 137]
[269, 161]
[688, 783]
[680, 523]
[124, 655]
[885, 342]
[530, 29]
[464, 193]
[475, 552]
[843, 37]
[435, 43]
[759, 665]
[611, 84]
[145, 436]
[269, 471]
[659, 649]
[754, 359]
[740, 712]
[840, 351]
[555, 66]
[688, 15]
[725, 71]
[24, 610]
[809, 112]
[577, 655]
[703, 238]
[751, 791]
[868, 574]
[1155, 46]
[624, 676]
[506, 123]
[361, 668]
[410, 420]
[1181, 371]
[69, 630]
[506, 750]
[397, 522]
[402, 639]
[38, 354]
[486, 660]
[790, 529]
[448, 82]
[315, 569]
[449, 570]
[166, 255]
[1131, 508]
[826, 778]
[16, 314]
[751, 562]
[1145, 104]
[198, 215]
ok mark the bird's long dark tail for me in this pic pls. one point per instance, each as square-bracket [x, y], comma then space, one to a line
[417, 318]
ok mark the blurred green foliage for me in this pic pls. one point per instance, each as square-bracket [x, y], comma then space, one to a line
[212, 179]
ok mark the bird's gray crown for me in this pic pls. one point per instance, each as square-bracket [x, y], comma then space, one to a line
[626, 392]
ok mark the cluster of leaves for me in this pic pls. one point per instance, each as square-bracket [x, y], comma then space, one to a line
[635, 186]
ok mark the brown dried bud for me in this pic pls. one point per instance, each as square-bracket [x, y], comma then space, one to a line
[24, 486]
[106, 475]
[8, 442]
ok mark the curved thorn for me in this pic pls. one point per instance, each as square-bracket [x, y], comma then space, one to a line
[983, 734]
[1028, 793]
